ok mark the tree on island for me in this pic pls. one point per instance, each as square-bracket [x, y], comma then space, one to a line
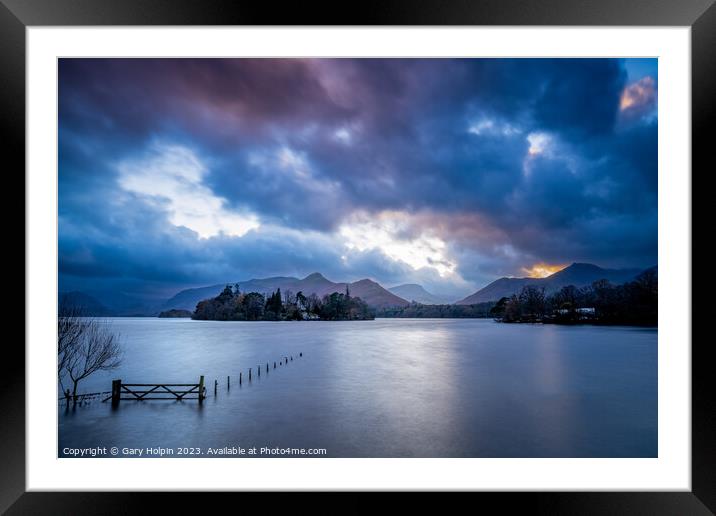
[566, 300]
[337, 306]
[498, 310]
[513, 309]
[532, 303]
[251, 306]
[274, 306]
[301, 301]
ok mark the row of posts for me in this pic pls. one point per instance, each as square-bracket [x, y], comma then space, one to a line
[285, 360]
[117, 384]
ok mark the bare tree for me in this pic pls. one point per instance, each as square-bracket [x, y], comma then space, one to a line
[532, 300]
[70, 326]
[289, 298]
[96, 348]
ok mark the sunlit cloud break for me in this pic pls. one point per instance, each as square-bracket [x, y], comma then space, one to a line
[390, 233]
[171, 178]
[638, 94]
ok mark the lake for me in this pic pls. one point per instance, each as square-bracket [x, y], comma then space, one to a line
[383, 388]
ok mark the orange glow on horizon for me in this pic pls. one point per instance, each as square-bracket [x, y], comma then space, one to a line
[542, 270]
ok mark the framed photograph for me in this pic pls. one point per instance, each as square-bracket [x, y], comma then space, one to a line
[434, 248]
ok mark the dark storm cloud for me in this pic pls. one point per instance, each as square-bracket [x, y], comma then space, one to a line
[556, 158]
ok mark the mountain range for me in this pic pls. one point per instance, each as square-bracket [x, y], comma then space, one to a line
[108, 303]
[577, 274]
[368, 290]
[414, 292]
[97, 303]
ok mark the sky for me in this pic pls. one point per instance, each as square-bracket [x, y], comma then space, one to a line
[450, 173]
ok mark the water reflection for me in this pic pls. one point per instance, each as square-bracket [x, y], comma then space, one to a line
[386, 388]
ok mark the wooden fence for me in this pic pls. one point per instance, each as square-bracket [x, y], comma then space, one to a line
[81, 398]
[176, 391]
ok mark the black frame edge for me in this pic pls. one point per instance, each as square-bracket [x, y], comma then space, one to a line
[368, 12]
[548, 504]
[699, 14]
[12, 128]
[703, 114]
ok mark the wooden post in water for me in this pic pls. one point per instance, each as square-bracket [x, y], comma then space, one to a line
[201, 388]
[259, 370]
[267, 367]
[240, 378]
[228, 383]
[300, 354]
[116, 392]
[249, 374]
[216, 386]
[274, 365]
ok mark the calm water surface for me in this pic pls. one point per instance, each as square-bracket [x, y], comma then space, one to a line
[384, 388]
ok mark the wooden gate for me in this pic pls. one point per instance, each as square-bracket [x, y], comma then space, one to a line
[157, 391]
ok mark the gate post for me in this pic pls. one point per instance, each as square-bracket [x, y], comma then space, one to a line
[116, 392]
[201, 388]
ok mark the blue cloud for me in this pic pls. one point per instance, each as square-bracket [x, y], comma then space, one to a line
[498, 162]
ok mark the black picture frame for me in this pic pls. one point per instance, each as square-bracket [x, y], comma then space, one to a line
[700, 15]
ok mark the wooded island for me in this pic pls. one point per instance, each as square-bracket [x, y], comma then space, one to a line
[233, 305]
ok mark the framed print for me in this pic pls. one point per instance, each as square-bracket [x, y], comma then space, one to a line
[438, 248]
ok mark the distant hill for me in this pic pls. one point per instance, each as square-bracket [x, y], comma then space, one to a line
[577, 274]
[88, 305]
[415, 292]
[111, 303]
[188, 298]
[369, 291]
[123, 304]
[374, 294]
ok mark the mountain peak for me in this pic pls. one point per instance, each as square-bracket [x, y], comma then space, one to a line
[364, 281]
[315, 276]
[582, 265]
[578, 268]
